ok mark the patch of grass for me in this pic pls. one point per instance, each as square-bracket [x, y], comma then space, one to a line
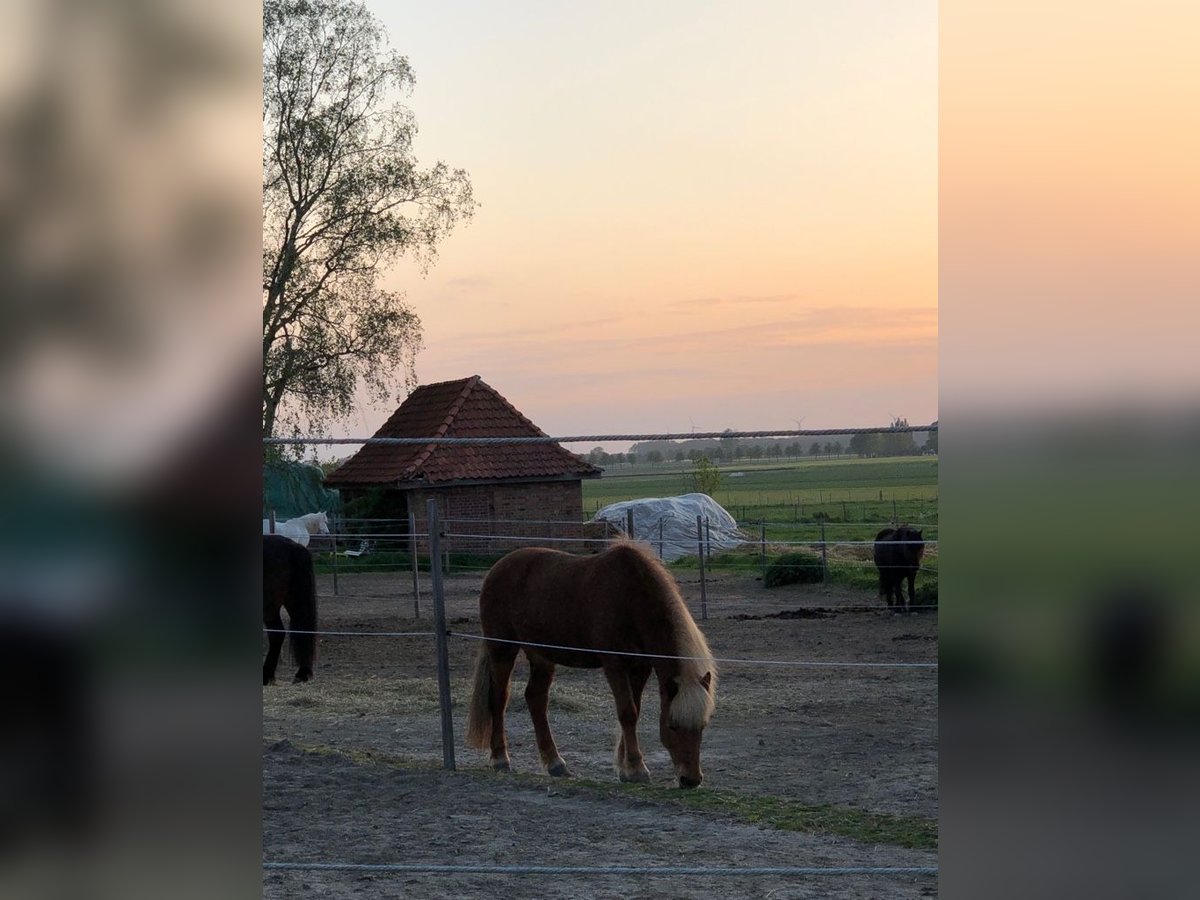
[913, 832]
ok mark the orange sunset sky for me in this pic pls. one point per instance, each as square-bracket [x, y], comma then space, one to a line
[708, 215]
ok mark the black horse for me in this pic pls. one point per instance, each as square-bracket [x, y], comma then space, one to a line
[289, 582]
[898, 556]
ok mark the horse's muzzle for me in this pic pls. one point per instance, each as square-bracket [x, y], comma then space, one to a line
[685, 782]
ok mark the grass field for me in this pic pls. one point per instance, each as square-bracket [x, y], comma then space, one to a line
[779, 502]
[795, 496]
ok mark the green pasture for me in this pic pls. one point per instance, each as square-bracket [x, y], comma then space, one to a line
[777, 503]
[794, 497]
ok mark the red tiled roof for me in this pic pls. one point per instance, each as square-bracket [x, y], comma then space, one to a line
[468, 407]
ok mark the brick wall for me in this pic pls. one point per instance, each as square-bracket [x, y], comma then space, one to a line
[527, 513]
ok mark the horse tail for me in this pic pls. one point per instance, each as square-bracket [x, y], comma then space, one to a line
[302, 612]
[479, 714]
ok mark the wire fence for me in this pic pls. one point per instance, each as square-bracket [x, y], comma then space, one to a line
[470, 546]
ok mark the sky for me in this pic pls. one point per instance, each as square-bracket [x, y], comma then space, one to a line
[693, 216]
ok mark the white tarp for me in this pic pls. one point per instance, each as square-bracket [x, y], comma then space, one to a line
[677, 516]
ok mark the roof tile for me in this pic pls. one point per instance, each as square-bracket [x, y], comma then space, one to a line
[468, 407]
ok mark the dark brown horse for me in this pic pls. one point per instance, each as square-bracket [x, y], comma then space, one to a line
[623, 601]
[898, 554]
[289, 582]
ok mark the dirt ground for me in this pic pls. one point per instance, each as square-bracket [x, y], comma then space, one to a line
[850, 737]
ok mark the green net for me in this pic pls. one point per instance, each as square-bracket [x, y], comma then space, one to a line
[296, 489]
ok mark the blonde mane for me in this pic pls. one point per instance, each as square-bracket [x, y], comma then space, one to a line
[693, 705]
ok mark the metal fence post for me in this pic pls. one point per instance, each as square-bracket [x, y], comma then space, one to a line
[412, 552]
[708, 536]
[824, 554]
[272, 517]
[762, 539]
[443, 651]
[335, 556]
[700, 547]
[629, 522]
[660, 538]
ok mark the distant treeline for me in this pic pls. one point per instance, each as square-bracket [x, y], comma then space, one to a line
[900, 443]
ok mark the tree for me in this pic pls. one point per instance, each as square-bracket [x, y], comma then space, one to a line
[706, 476]
[865, 444]
[898, 443]
[815, 449]
[343, 196]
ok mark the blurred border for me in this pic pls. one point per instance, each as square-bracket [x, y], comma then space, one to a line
[130, 182]
[1069, 276]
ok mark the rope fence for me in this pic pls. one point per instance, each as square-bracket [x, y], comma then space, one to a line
[596, 438]
[754, 662]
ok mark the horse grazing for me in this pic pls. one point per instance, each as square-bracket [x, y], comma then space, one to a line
[289, 582]
[621, 600]
[300, 528]
[898, 554]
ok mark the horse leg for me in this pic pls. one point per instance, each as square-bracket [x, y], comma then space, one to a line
[912, 594]
[273, 621]
[637, 682]
[502, 660]
[537, 698]
[630, 764]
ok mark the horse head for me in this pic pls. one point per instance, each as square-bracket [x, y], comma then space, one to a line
[322, 523]
[687, 705]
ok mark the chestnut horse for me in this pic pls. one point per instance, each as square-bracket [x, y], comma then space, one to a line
[289, 582]
[622, 600]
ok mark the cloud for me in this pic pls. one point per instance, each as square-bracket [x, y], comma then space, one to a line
[741, 300]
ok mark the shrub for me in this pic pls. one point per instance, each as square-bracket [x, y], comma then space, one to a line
[794, 568]
[926, 594]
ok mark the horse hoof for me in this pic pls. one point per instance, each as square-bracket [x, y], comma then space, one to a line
[501, 766]
[642, 777]
[267, 681]
[302, 677]
[559, 770]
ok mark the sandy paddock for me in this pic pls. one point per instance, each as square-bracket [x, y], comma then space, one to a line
[351, 766]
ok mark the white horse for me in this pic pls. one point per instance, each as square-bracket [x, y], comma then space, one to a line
[300, 528]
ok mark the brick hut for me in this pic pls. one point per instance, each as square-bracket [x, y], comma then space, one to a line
[528, 491]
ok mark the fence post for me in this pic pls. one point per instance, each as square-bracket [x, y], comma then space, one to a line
[700, 547]
[443, 651]
[335, 556]
[272, 517]
[660, 539]
[762, 538]
[824, 554]
[895, 516]
[708, 536]
[629, 522]
[412, 552]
